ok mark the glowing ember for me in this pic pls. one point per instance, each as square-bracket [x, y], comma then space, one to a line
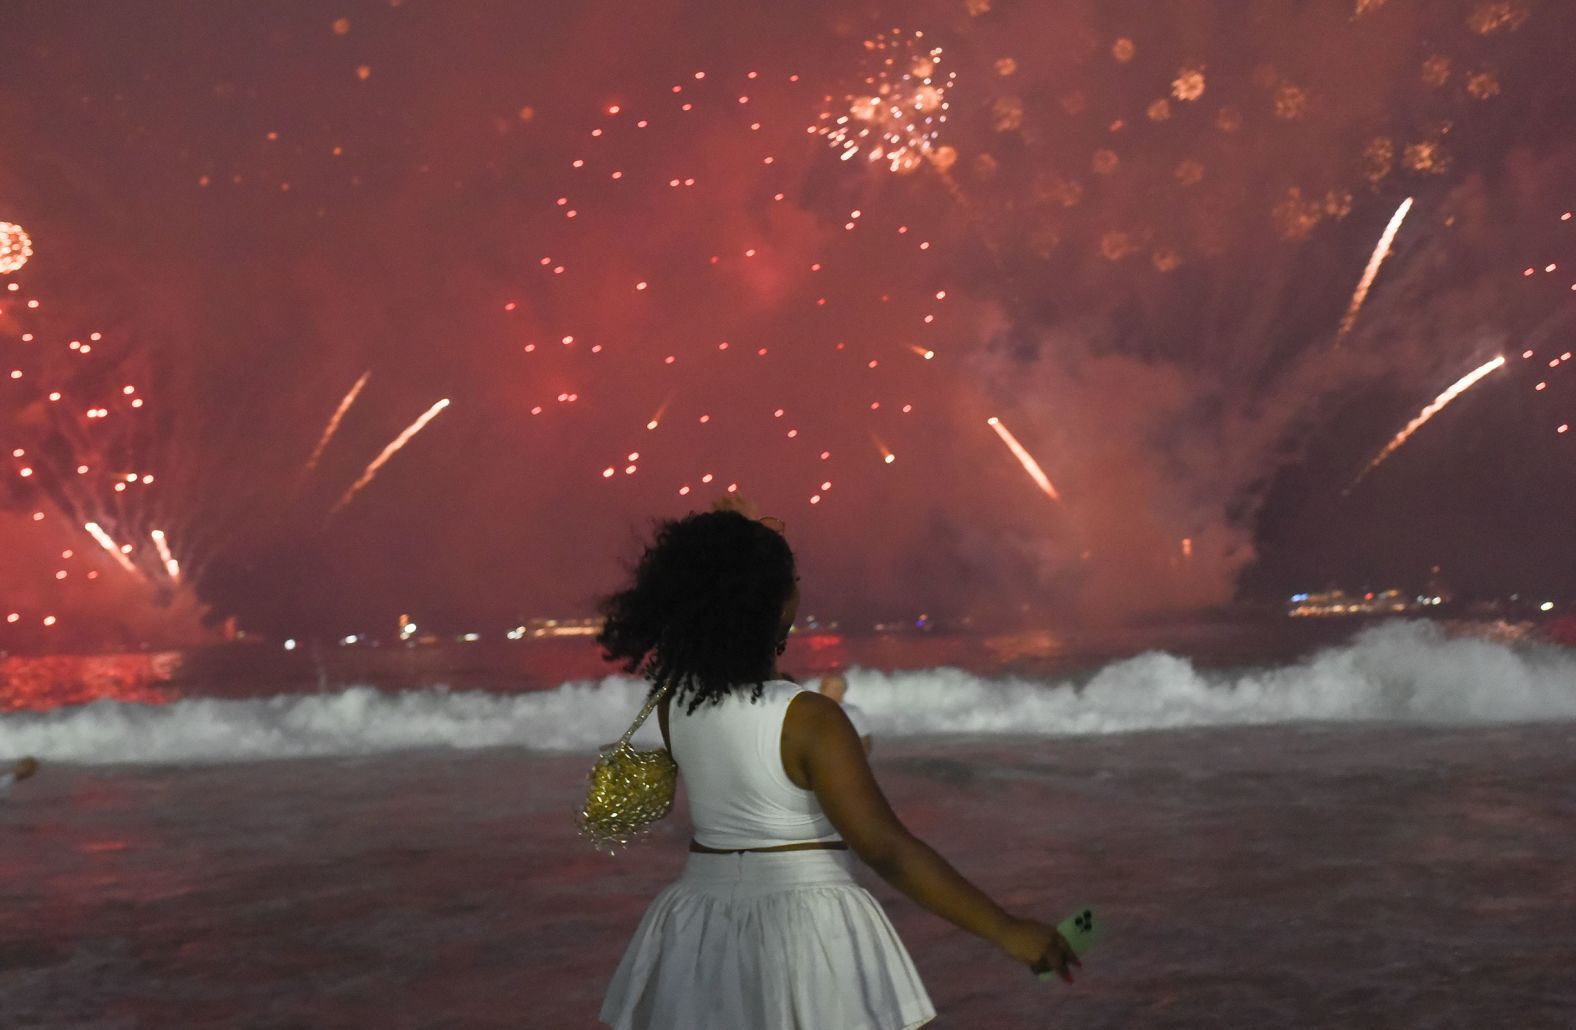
[1189, 84]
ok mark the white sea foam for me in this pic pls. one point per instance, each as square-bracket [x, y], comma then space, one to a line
[1406, 672]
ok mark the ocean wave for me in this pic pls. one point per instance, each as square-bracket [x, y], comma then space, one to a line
[1399, 672]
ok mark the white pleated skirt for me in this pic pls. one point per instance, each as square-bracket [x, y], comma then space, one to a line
[763, 941]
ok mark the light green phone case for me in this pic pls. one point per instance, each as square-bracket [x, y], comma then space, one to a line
[1083, 930]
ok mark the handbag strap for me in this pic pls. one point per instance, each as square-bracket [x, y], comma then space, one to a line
[645, 713]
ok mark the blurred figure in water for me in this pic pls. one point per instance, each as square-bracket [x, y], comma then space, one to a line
[835, 686]
[766, 928]
[24, 768]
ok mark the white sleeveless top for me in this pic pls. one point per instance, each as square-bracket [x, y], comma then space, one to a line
[730, 755]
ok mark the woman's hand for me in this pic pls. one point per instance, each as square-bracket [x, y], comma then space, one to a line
[1039, 947]
[736, 502]
[747, 508]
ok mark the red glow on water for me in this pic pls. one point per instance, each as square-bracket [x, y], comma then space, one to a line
[99, 846]
[43, 683]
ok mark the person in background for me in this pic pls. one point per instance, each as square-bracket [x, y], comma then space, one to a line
[835, 686]
[24, 768]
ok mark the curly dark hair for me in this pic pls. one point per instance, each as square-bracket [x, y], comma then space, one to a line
[704, 614]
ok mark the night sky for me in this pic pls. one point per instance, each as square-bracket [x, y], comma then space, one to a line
[612, 230]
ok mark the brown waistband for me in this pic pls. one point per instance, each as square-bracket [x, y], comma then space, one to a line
[814, 845]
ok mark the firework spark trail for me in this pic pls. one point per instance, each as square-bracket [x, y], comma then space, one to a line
[15, 247]
[897, 118]
[333, 422]
[662, 409]
[171, 566]
[388, 452]
[1459, 387]
[1381, 251]
[97, 533]
[1025, 459]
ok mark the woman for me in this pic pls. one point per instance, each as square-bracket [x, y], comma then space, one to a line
[767, 928]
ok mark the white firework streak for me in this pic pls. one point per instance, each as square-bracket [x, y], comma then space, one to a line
[171, 566]
[1025, 459]
[1459, 387]
[333, 422]
[388, 452]
[97, 533]
[1381, 251]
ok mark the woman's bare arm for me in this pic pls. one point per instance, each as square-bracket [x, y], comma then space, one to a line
[831, 761]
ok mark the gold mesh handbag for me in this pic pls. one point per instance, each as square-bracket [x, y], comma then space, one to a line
[629, 789]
